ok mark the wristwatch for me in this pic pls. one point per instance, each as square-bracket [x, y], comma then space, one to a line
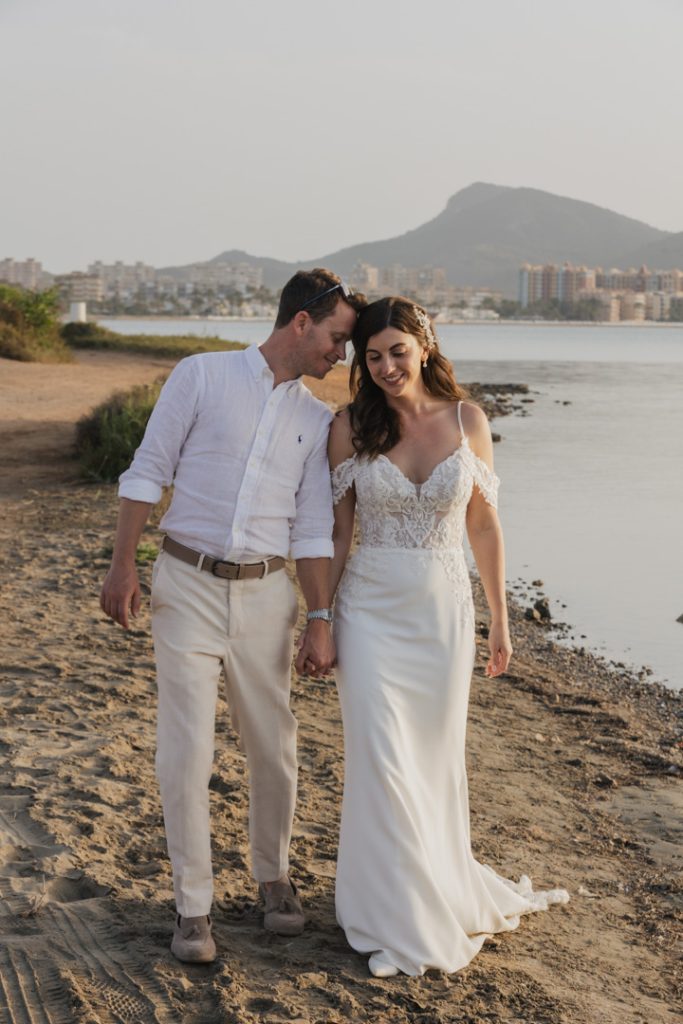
[320, 613]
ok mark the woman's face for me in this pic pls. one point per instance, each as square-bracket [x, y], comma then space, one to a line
[394, 360]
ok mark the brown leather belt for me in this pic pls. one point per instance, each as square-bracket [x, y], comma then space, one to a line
[226, 570]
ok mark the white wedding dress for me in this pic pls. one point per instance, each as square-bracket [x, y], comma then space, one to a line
[408, 888]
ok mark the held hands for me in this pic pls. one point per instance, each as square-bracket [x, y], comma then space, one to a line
[501, 650]
[120, 594]
[317, 654]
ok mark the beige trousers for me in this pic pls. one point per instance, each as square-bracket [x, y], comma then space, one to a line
[201, 624]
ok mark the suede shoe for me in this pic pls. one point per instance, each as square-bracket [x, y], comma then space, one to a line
[284, 914]
[192, 940]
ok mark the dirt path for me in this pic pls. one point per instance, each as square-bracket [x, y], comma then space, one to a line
[575, 778]
[40, 403]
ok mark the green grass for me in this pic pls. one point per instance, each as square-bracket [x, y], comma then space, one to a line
[92, 336]
[146, 552]
[106, 439]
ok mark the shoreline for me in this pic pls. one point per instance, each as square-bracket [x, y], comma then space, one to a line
[105, 371]
[575, 779]
[28, 458]
[562, 633]
[463, 321]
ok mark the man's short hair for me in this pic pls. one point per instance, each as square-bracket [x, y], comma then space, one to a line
[303, 287]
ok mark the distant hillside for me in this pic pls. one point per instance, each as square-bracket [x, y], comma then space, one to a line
[661, 255]
[275, 272]
[486, 232]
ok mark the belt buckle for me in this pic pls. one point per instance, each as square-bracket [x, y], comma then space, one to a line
[240, 569]
[219, 575]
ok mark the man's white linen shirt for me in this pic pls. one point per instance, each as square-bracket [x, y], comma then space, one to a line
[248, 461]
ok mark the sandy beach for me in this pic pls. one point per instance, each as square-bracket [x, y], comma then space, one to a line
[575, 770]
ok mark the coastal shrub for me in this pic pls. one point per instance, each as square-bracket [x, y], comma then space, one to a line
[92, 335]
[107, 438]
[13, 344]
[29, 328]
[86, 335]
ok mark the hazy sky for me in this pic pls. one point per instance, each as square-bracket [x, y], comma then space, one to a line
[168, 131]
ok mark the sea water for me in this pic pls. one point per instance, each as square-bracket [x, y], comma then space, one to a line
[592, 477]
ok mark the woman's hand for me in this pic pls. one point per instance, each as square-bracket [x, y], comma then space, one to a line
[500, 648]
[317, 654]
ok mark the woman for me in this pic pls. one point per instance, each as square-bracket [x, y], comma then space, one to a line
[414, 461]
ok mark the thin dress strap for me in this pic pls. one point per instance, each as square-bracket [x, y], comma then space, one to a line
[460, 419]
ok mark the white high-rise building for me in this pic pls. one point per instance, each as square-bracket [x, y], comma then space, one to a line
[25, 273]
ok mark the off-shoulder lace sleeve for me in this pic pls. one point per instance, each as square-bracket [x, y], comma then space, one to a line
[342, 478]
[487, 481]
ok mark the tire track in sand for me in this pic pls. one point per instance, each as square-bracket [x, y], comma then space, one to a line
[64, 956]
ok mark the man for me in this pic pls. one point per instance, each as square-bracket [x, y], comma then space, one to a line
[244, 442]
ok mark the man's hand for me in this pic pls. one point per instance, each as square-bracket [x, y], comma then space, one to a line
[121, 593]
[317, 653]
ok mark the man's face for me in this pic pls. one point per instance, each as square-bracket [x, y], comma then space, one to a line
[323, 344]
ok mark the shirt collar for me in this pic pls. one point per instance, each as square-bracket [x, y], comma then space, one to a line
[256, 362]
[259, 367]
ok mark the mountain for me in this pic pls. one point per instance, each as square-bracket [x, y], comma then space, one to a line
[487, 231]
[664, 254]
[275, 272]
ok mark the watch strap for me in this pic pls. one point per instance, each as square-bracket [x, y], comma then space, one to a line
[320, 613]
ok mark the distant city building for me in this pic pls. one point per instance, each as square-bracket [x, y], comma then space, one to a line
[642, 280]
[540, 283]
[398, 280]
[632, 306]
[138, 283]
[364, 278]
[658, 305]
[79, 287]
[241, 276]
[623, 294]
[122, 278]
[610, 306]
[427, 283]
[25, 273]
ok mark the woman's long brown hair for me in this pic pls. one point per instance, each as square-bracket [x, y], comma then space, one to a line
[375, 425]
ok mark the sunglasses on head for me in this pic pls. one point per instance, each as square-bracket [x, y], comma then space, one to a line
[342, 286]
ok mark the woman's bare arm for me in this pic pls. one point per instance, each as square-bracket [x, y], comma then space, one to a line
[486, 540]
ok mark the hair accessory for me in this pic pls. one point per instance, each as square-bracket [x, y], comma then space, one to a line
[426, 325]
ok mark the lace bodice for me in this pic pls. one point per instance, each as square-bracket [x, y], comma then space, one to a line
[393, 512]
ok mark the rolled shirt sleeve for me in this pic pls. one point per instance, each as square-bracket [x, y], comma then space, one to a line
[311, 530]
[155, 461]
